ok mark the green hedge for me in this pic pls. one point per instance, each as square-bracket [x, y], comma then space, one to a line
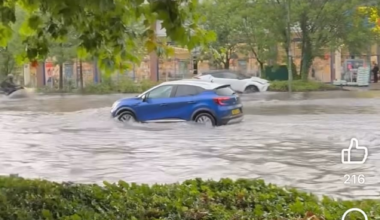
[105, 87]
[128, 86]
[121, 86]
[301, 86]
[25, 199]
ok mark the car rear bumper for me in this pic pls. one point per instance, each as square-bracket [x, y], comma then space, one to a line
[231, 119]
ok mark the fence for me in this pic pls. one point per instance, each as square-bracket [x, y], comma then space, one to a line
[47, 73]
[325, 69]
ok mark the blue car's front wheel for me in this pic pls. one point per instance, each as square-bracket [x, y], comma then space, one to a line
[126, 116]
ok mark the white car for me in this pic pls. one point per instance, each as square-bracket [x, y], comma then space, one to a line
[238, 82]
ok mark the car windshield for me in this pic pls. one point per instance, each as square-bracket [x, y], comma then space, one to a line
[242, 76]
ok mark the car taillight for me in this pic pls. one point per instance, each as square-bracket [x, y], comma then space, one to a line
[221, 100]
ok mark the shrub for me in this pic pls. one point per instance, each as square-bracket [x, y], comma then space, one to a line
[107, 86]
[120, 86]
[301, 86]
[25, 199]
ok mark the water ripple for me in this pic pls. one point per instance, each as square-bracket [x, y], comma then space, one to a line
[301, 149]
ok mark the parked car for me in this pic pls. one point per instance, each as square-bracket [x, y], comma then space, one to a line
[183, 100]
[239, 82]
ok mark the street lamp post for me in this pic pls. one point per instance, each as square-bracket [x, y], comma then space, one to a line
[290, 74]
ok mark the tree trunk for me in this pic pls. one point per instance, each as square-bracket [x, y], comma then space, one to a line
[195, 66]
[61, 76]
[262, 71]
[227, 62]
[261, 62]
[81, 75]
[307, 50]
[306, 62]
[352, 53]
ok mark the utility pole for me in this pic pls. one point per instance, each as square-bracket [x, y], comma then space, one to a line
[290, 74]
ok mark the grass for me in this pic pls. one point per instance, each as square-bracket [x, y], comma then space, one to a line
[301, 86]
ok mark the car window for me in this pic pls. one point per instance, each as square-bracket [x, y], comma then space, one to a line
[242, 76]
[229, 75]
[225, 91]
[186, 90]
[160, 92]
[217, 75]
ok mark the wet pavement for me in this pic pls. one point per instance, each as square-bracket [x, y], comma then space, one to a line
[287, 140]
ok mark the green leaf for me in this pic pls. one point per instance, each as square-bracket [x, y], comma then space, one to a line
[5, 35]
[82, 52]
[34, 21]
[150, 45]
[47, 214]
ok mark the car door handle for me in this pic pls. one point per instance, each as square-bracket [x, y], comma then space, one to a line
[190, 102]
[163, 104]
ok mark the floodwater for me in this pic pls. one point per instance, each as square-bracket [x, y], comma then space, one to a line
[287, 140]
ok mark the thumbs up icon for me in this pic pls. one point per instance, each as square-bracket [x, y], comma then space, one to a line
[354, 145]
[354, 210]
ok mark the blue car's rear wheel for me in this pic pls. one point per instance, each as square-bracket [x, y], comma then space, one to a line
[205, 119]
[126, 116]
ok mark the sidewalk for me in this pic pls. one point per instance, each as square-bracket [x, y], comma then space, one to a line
[372, 87]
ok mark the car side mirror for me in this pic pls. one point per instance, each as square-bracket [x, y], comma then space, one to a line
[143, 97]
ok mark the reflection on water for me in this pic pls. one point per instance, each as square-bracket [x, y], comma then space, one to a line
[288, 140]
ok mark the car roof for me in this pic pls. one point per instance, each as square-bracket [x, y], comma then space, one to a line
[195, 82]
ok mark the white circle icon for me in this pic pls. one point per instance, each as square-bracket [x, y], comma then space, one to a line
[354, 210]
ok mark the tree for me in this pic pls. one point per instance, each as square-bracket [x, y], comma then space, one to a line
[254, 32]
[63, 51]
[102, 25]
[220, 17]
[320, 24]
[366, 27]
[14, 46]
[7, 62]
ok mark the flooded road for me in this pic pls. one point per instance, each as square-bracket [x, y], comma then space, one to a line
[287, 140]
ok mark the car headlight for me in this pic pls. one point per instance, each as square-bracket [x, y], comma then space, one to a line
[114, 106]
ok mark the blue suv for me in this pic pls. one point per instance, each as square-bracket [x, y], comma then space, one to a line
[182, 100]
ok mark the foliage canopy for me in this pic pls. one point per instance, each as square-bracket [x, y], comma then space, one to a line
[105, 29]
[14, 46]
[318, 27]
